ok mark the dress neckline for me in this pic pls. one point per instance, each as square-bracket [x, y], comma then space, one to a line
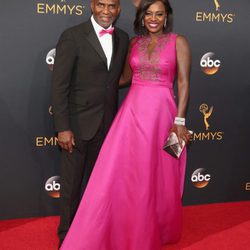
[160, 44]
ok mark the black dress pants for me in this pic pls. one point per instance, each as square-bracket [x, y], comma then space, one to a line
[76, 168]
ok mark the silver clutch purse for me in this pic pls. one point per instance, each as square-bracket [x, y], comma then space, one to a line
[172, 145]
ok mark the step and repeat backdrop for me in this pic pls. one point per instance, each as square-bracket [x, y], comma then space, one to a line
[218, 168]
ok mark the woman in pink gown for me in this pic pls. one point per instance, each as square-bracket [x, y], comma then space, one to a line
[133, 198]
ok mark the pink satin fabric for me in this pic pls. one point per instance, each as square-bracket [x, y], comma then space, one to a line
[133, 199]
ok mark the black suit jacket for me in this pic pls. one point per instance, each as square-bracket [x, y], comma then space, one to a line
[84, 91]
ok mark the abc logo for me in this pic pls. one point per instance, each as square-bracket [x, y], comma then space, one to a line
[200, 178]
[52, 186]
[209, 65]
[50, 59]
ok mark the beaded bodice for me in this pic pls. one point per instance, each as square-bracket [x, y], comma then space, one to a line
[159, 67]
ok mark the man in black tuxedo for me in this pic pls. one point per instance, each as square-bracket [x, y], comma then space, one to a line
[88, 64]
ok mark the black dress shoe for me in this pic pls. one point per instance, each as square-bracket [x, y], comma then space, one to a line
[60, 244]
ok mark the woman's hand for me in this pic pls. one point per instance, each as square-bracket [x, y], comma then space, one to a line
[182, 133]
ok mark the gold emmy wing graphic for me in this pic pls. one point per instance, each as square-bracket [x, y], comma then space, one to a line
[206, 113]
[217, 5]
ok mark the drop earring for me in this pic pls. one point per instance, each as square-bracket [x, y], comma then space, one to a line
[142, 23]
[165, 23]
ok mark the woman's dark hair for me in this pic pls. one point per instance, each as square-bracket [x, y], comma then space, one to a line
[140, 14]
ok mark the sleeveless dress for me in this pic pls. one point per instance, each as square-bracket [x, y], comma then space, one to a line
[133, 198]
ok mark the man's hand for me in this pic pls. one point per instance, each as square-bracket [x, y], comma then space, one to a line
[66, 140]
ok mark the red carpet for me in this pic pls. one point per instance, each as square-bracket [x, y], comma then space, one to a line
[206, 227]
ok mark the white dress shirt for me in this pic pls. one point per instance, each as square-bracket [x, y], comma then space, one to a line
[106, 40]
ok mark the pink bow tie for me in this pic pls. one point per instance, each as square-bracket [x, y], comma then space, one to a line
[104, 32]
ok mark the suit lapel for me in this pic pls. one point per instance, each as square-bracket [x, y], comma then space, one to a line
[116, 39]
[94, 42]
